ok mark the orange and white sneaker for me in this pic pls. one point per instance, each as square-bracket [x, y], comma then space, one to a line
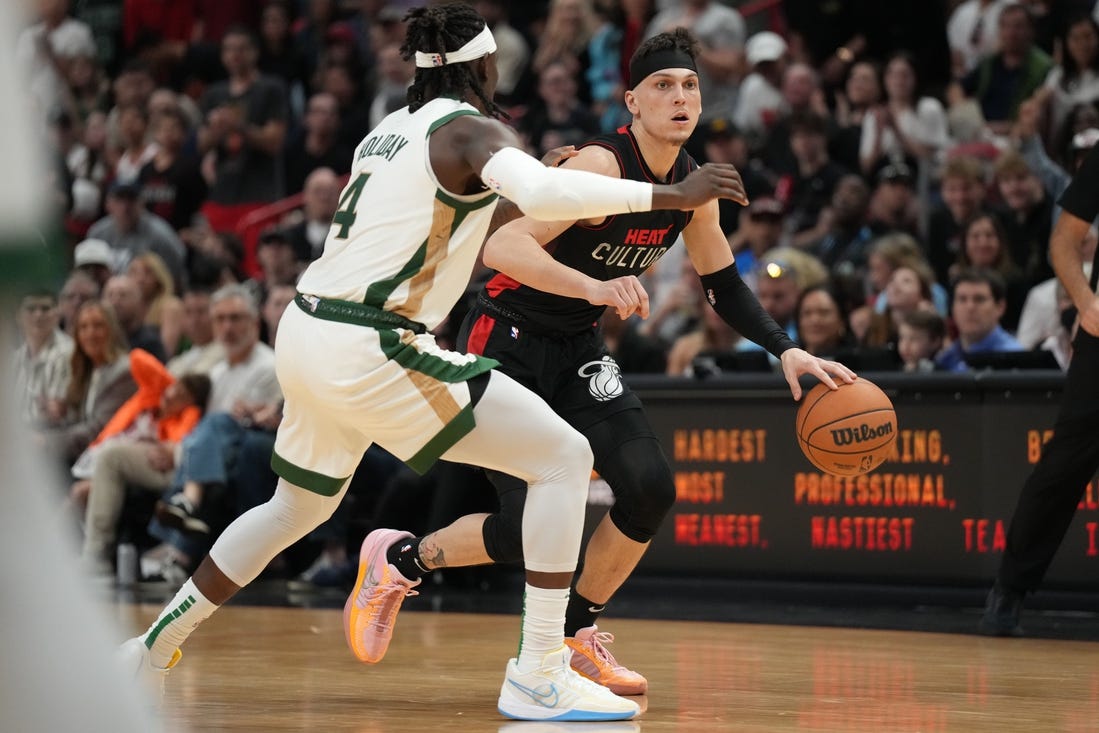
[591, 658]
[371, 609]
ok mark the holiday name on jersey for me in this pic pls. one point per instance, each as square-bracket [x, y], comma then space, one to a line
[384, 145]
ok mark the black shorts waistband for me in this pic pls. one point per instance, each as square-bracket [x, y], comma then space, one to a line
[502, 312]
[359, 314]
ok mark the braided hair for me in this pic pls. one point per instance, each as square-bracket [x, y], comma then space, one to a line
[439, 29]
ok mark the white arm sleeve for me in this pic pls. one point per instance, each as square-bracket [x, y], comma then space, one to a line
[560, 194]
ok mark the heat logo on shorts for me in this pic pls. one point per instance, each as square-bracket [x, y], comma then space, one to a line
[604, 378]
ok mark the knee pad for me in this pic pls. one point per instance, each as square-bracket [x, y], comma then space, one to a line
[503, 531]
[644, 489]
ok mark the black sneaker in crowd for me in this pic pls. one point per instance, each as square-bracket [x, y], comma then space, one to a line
[179, 513]
[1001, 616]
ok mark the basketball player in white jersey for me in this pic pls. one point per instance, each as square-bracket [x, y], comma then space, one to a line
[358, 365]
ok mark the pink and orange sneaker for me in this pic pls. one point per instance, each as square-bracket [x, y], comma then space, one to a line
[591, 658]
[371, 609]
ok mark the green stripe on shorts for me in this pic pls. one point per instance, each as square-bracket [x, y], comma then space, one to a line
[433, 366]
[454, 431]
[318, 483]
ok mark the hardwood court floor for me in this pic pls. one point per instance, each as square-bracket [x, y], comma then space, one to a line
[288, 669]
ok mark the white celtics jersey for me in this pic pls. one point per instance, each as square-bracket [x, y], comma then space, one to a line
[398, 241]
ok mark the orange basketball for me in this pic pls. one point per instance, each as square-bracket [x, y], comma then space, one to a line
[848, 431]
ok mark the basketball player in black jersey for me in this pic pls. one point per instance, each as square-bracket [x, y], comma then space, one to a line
[538, 318]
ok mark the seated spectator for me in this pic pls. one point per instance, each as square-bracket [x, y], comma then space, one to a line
[136, 150]
[894, 206]
[79, 288]
[277, 261]
[96, 258]
[859, 98]
[634, 352]
[780, 278]
[135, 449]
[921, 336]
[821, 322]
[394, 76]
[163, 310]
[320, 199]
[906, 127]
[42, 363]
[1041, 316]
[274, 305]
[978, 304]
[1003, 80]
[760, 101]
[200, 350]
[318, 144]
[101, 381]
[1075, 80]
[713, 335]
[963, 191]
[124, 296]
[909, 290]
[1027, 218]
[723, 143]
[130, 230]
[171, 185]
[557, 117]
[760, 231]
[809, 189]
[985, 247]
[245, 398]
[841, 237]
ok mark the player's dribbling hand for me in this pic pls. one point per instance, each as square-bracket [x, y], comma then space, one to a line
[796, 362]
[624, 294]
[708, 182]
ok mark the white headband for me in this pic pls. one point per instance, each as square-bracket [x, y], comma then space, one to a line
[480, 45]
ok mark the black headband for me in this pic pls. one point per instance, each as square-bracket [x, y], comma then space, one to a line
[670, 58]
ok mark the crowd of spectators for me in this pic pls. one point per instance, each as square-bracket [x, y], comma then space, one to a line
[903, 161]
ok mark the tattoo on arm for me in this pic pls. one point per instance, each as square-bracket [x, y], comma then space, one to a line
[431, 553]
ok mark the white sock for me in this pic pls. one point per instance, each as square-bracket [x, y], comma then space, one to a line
[543, 628]
[179, 618]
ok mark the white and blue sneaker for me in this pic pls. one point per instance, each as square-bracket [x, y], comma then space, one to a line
[556, 692]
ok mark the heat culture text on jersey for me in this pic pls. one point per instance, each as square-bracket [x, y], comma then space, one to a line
[625, 256]
[383, 145]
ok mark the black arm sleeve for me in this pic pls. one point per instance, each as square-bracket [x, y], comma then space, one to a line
[734, 302]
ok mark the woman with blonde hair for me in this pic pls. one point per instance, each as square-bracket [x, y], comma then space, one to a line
[163, 308]
[101, 381]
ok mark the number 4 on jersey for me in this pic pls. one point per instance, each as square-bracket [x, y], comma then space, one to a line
[345, 214]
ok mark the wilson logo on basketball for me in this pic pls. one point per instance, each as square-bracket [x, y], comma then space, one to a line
[861, 433]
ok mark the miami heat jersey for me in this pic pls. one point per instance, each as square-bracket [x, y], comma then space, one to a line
[626, 244]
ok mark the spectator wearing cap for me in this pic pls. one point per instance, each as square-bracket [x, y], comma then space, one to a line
[320, 199]
[1027, 217]
[760, 101]
[131, 229]
[96, 258]
[318, 144]
[894, 206]
[760, 230]
[906, 126]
